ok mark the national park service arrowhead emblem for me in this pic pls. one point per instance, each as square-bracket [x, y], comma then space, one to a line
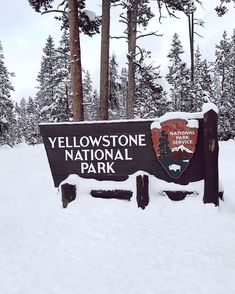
[174, 142]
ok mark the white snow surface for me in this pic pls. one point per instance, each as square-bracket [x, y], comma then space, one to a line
[209, 106]
[189, 117]
[98, 246]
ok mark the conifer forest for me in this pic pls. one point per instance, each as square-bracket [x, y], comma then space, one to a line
[66, 91]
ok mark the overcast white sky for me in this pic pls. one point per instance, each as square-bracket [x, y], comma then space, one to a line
[23, 34]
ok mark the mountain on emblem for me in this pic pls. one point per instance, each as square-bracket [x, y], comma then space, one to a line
[174, 142]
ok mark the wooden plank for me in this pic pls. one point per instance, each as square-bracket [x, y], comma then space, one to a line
[110, 194]
[177, 195]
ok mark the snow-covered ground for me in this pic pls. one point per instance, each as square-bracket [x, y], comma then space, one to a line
[98, 246]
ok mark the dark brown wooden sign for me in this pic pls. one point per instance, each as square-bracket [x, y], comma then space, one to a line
[174, 150]
[113, 151]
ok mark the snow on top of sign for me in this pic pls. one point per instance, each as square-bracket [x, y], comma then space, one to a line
[156, 186]
[190, 117]
[98, 121]
[209, 106]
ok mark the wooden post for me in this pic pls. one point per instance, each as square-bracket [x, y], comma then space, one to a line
[142, 193]
[211, 151]
[68, 194]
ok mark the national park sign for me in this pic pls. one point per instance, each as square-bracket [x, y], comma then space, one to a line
[174, 142]
[173, 149]
[115, 150]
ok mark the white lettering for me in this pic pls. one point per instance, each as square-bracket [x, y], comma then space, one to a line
[84, 167]
[95, 141]
[61, 142]
[78, 155]
[84, 141]
[106, 142]
[91, 169]
[142, 140]
[101, 167]
[67, 143]
[99, 154]
[52, 141]
[68, 155]
[127, 155]
[121, 141]
[75, 143]
[109, 168]
[118, 155]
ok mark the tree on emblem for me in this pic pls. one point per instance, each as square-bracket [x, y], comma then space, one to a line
[163, 146]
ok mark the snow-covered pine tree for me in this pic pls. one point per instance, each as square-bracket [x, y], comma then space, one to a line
[179, 78]
[22, 122]
[63, 87]
[45, 94]
[33, 135]
[225, 69]
[7, 119]
[122, 97]
[149, 97]
[49, 78]
[94, 106]
[114, 87]
[87, 95]
[27, 121]
[202, 82]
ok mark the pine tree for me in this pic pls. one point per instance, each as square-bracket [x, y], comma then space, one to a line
[114, 87]
[149, 98]
[54, 82]
[225, 66]
[87, 96]
[47, 81]
[179, 78]
[27, 121]
[163, 146]
[33, 135]
[7, 119]
[63, 87]
[202, 82]
[122, 97]
[94, 106]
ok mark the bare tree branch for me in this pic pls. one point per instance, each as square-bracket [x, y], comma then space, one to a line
[198, 35]
[54, 10]
[118, 37]
[149, 34]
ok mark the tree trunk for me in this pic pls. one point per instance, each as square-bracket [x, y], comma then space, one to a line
[191, 41]
[76, 67]
[104, 62]
[132, 26]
